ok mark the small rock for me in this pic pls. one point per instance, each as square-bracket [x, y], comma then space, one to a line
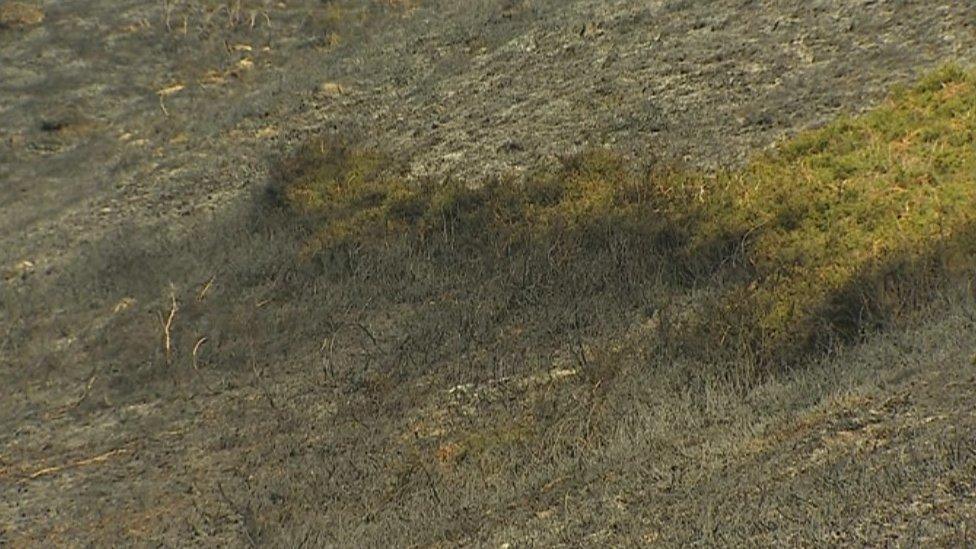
[21, 270]
[591, 30]
[266, 133]
[19, 15]
[123, 304]
[331, 89]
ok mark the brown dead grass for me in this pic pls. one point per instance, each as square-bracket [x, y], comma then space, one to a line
[19, 15]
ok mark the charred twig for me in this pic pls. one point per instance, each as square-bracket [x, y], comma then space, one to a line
[206, 288]
[196, 348]
[578, 340]
[258, 374]
[369, 334]
[168, 9]
[168, 326]
[60, 410]
[243, 513]
[84, 395]
[80, 463]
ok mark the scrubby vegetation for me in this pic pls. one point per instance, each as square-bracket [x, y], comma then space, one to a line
[838, 230]
[593, 354]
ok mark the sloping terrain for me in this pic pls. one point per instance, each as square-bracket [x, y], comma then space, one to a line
[485, 273]
[478, 88]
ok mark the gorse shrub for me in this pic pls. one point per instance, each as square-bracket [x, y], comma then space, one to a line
[836, 230]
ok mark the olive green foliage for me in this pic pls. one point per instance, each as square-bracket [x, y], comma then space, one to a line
[834, 231]
[843, 225]
[355, 198]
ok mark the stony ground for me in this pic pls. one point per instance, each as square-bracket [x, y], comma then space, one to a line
[119, 113]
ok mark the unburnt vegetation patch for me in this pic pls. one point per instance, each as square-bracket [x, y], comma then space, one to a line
[838, 230]
[18, 15]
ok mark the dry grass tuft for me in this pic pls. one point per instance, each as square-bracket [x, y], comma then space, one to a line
[16, 15]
